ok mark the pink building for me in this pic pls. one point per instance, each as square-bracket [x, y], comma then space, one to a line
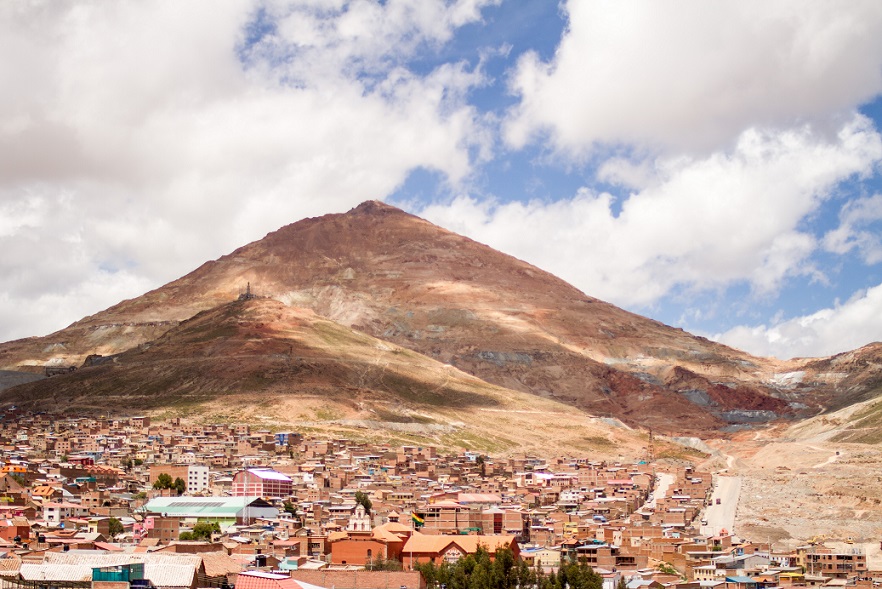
[261, 482]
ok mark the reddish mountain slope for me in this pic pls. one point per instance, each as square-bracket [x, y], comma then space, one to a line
[399, 278]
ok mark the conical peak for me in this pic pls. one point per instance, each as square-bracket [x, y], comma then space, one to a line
[374, 207]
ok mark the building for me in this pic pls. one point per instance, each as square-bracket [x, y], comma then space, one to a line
[57, 514]
[197, 478]
[422, 548]
[262, 482]
[225, 511]
[825, 561]
[194, 475]
[360, 545]
[75, 568]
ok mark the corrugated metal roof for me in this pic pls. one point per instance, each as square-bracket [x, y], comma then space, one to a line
[269, 474]
[196, 506]
[55, 572]
[164, 570]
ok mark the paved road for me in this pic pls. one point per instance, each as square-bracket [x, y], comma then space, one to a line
[722, 516]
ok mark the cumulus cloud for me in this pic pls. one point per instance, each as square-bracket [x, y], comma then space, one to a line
[859, 229]
[694, 223]
[693, 75]
[826, 332]
[140, 139]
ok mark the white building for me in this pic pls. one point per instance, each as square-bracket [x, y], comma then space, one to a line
[197, 478]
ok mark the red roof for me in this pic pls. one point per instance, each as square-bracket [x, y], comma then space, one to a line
[262, 580]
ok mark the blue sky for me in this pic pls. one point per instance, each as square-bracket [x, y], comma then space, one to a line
[714, 165]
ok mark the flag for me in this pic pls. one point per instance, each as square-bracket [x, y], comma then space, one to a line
[417, 520]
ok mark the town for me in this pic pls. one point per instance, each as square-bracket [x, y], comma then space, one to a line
[132, 502]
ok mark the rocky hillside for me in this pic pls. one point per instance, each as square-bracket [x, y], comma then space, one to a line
[260, 360]
[383, 273]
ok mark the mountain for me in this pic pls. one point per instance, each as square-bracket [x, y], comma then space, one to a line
[379, 272]
[261, 360]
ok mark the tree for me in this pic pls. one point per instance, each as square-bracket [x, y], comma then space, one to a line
[480, 571]
[179, 485]
[481, 462]
[201, 531]
[363, 500]
[163, 481]
[289, 507]
[667, 568]
[115, 527]
[578, 576]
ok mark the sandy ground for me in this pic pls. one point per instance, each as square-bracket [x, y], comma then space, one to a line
[795, 491]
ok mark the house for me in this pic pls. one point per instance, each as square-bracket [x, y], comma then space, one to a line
[832, 563]
[57, 514]
[548, 559]
[15, 527]
[266, 580]
[173, 571]
[421, 548]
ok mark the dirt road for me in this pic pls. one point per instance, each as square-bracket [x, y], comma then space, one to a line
[722, 516]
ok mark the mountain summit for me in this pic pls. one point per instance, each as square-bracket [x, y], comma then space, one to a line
[396, 278]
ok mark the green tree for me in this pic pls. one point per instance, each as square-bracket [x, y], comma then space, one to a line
[289, 507]
[179, 485]
[363, 500]
[201, 531]
[163, 481]
[482, 463]
[115, 527]
[578, 576]
[524, 575]
[501, 571]
[667, 568]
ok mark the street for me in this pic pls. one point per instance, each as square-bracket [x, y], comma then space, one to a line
[722, 516]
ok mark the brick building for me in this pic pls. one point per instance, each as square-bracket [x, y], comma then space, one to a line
[261, 482]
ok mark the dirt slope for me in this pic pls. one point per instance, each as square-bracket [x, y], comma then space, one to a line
[396, 277]
[261, 360]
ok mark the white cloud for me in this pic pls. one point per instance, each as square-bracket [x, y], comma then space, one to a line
[693, 75]
[695, 223]
[828, 331]
[858, 229]
[140, 139]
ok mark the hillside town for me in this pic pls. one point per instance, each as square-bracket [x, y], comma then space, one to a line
[125, 502]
